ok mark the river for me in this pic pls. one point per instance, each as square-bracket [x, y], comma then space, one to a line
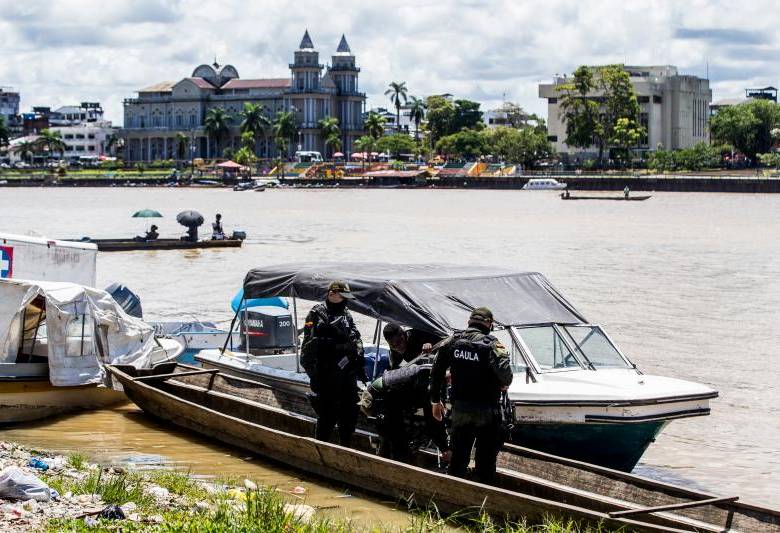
[687, 284]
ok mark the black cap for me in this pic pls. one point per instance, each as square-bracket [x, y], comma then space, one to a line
[341, 287]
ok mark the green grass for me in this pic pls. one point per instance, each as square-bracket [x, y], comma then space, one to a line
[113, 489]
[77, 460]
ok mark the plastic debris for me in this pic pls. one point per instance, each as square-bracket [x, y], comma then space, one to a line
[129, 507]
[158, 492]
[90, 521]
[299, 511]
[16, 484]
[38, 464]
[202, 506]
[298, 490]
[250, 485]
[112, 512]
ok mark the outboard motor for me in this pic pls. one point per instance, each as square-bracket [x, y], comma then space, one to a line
[269, 330]
[127, 299]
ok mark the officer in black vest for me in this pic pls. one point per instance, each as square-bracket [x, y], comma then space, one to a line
[332, 355]
[479, 371]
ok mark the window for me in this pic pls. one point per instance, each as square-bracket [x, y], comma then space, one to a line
[552, 100]
[515, 357]
[593, 344]
[552, 138]
[79, 135]
[657, 99]
[91, 136]
[548, 348]
[91, 148]
[643, 99]
[79, 148]
[68, 136]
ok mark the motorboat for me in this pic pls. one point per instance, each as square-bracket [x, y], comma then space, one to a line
[543, 184]
[575, 393]
[55, 340]
[31, 257]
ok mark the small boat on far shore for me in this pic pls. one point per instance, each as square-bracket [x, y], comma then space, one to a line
[620, 198]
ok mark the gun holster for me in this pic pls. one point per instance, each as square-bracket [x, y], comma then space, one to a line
[314, 400]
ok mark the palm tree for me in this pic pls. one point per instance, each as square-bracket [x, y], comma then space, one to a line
[217, 124]
[26, 149]
[255, 121]
[417, 109]
[330, 131]
[53, 141]
[181, 142]
[365, 144]
[397, 92]
[374, 124]
[284, 128]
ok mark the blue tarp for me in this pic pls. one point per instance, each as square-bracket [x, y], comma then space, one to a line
[236, 303]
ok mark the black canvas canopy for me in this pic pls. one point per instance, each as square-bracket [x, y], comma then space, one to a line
[431, 297]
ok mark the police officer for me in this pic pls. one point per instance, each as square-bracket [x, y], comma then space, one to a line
[479, 371]
[407, 345]
[332, 355]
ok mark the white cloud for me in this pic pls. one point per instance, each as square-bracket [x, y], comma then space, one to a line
[75, 50]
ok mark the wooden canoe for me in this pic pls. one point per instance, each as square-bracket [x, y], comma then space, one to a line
[529, 484]
[126, 245]
[615, 198]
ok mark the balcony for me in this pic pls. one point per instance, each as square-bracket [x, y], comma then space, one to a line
[344, 68]
[306, 65]
[319, 90]
[352, 93]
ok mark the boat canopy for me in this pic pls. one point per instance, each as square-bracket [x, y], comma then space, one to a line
[75, 328]
[433, 297]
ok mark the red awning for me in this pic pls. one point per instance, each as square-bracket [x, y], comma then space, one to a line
[229, 164]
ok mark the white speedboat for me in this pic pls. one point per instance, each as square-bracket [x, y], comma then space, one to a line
[574, 392]
[56, 337]
[543, 184]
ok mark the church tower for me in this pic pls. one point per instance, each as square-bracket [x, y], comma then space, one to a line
[349, 100]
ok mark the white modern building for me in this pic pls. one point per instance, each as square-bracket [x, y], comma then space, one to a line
[9, 104]
[674, 109]
[88, 140]
[72, 115]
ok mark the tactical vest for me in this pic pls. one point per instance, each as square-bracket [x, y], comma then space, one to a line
[473, 379]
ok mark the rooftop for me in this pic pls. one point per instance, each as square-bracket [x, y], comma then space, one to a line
[162, 87]
[263, 83]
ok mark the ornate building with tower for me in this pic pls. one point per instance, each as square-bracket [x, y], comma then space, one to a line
[153, 120]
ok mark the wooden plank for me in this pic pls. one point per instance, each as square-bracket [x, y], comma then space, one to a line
[674, 506]
[175, 375]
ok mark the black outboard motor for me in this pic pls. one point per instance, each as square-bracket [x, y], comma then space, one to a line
[269, 330]
[127, 299]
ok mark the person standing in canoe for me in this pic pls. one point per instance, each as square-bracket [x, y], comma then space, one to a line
[217, 232]
[626, 192]
[332, 356]
[479, 372]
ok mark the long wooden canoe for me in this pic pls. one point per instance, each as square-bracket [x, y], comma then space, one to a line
[615, 198]
[126, 245]
[529, 484]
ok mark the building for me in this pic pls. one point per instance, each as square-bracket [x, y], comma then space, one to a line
[674, 109]
[72, 115]
[162, 111]
[9, 104]
[88, 140]
[764, 93]
[509, 115]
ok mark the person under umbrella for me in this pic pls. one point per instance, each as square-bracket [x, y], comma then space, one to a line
[190, 219]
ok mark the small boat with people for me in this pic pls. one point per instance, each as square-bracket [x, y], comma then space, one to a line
[575, 393]
[151, 240]
[529, 485]
[621, 198]
[55, 340]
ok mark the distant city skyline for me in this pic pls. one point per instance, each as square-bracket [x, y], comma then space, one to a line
[65, 52]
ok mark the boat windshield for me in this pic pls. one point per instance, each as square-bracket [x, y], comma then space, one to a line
[517, 362]
[593, 344]
[548, 347]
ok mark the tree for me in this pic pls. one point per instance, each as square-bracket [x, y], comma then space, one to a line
[217, 125]
[366, 145]
[26, 150]
[466, 116]
[396, 144]
[330, 132]
[397, 92]
[4, 131]
[748, 127]
[284, 127]
[52, 140]
[441, 113]
[374, 125]
[181, 142]
[526, 145]
[416, 114]
[516, 117]
[468, 144]
[593, 101]
[254, 121]
[625, 135]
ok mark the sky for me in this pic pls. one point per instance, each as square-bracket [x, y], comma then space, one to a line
[67, 51]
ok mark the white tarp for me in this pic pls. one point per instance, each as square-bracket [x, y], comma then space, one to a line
[75, 317]
[39, 258]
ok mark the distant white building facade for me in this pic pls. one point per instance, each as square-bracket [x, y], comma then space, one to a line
[9, 104]
[674, 109]
[85, 141]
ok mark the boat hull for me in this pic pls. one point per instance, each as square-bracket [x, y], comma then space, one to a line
[26, 400]
[126, 245]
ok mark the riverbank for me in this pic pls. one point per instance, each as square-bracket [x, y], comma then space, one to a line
[70, 493]
[678, 182]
